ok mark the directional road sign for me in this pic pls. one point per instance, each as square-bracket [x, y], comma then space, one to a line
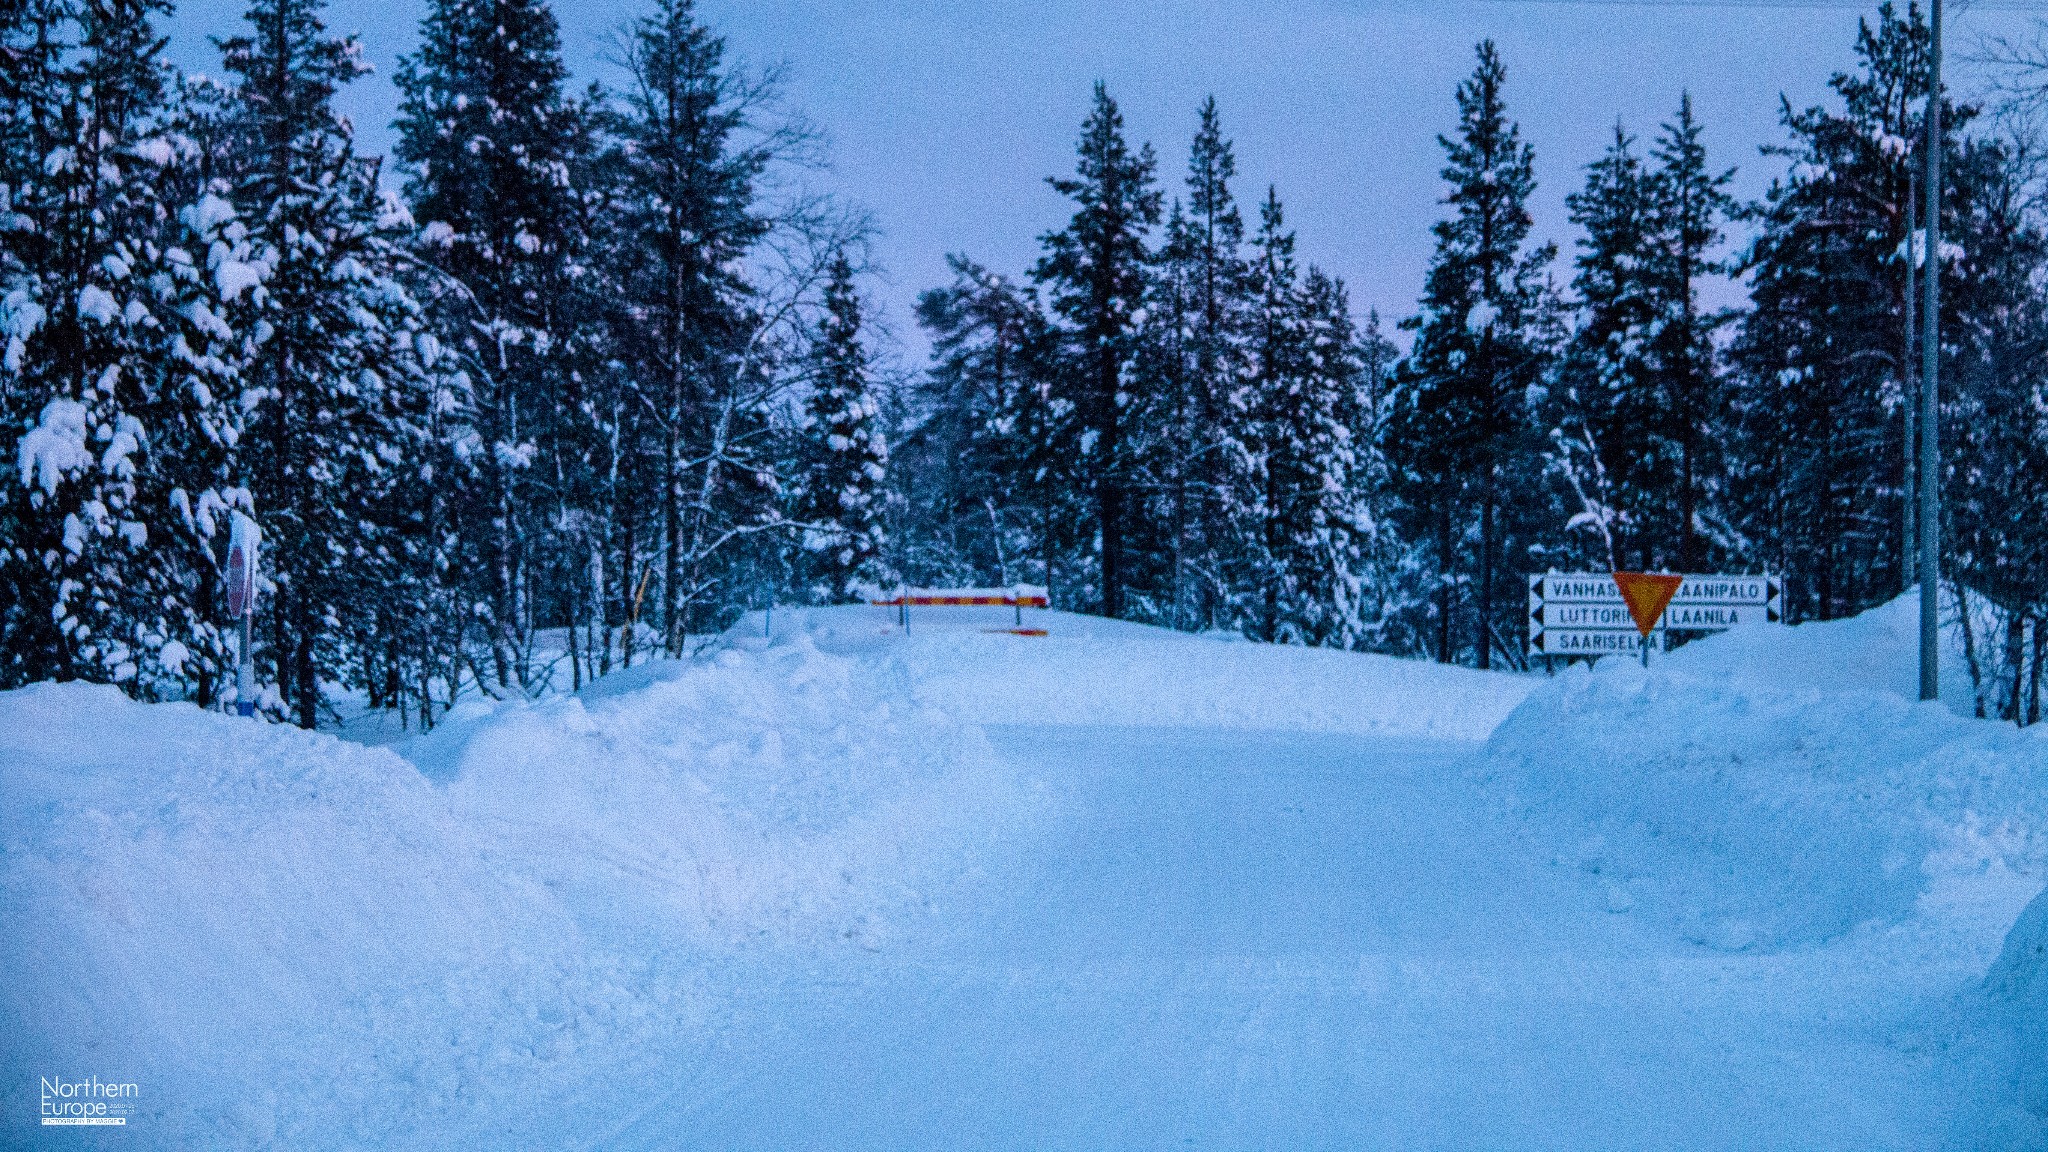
[1585, 614]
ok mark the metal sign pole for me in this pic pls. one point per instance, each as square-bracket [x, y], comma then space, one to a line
[1930, 388]
[245, 676]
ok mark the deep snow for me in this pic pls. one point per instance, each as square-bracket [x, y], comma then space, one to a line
[1109, 887]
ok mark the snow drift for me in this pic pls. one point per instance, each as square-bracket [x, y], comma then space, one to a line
[1772, 787]
[2018, 987]
[1777, 789]
[1091, 671]
[274, 931]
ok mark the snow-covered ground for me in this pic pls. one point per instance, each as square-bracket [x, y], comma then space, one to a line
[842, 887]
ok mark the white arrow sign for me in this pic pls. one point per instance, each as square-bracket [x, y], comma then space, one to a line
[1583, 613]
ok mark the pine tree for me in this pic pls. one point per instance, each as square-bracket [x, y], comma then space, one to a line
[1816, 475]
[130, 283]
[1164, 546]
[339, 366]
[840, 501]
[1995, 436]
[1095, 272]
[1214, 466]
[1395, 588]
[1278, 331]
[491, 147]
[688, 219]
[979, 468]
[1639, 393]
[1604, 443]
[1462, 439]
[1689, 202]
[1312, 461]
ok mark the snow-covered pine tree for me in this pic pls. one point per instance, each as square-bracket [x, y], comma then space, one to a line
[1395, 585]
[1319, 530]
[491, 147]
[1689, 202]
[338, 372]
[846, 461]
[1462, 440]
[978, 469]
[1995, 492]
[126, 326]
[1196, 392]
[1815, 481]
[692, 343]
[1638, 403]
[1095, 272]
[1164, 451]
[1277, 332]
[1605, 439]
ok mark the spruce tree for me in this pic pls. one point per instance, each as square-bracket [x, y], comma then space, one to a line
[1462, 439]
[1605, 439]
[1689, 202]
[127, 322]
[1095, 271]
[1312, 459]
[840, 503]
[1219, 284]
[1278, 333]
[1995, 436]
[339, 368]
[1639, 399]
[491, 149]
[1815, 484]
[979, 468]
[687, 219]
[1394, 587]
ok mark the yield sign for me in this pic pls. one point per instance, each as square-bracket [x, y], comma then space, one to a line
[1646, 595]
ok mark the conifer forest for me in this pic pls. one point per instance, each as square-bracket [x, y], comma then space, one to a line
[578, 374]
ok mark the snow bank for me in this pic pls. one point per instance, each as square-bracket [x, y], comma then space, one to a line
[1771, 787]
[1779, 788]
[1089, 671]
[1878, 650]
[783, 792]
[2018, 987]
[288, 940]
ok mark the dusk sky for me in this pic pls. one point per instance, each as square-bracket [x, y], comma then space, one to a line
[943, 119]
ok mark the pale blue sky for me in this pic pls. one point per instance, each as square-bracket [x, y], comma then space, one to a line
[944, 118]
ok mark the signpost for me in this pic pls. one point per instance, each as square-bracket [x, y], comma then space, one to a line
[1647, 594]
[1586, 613]
[244, 541]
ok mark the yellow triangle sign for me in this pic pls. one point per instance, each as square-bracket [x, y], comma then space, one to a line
[1646, 594]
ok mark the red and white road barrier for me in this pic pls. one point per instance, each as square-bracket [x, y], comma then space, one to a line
[966, 598]
[1021, 597]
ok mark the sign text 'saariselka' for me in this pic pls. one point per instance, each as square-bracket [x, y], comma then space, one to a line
[1583, 614]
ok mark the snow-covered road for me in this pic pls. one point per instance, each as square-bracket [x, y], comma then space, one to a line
[843, 888]
[1263, 940]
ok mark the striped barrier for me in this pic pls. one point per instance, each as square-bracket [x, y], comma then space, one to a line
[957, 600]
[1018, 598]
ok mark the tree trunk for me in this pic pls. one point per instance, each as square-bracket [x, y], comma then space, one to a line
[2015, 659]
[1444, 588]
[672, 527]
[2034, 680]
[1109, 493]
[302, 662]
[1486, 546]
